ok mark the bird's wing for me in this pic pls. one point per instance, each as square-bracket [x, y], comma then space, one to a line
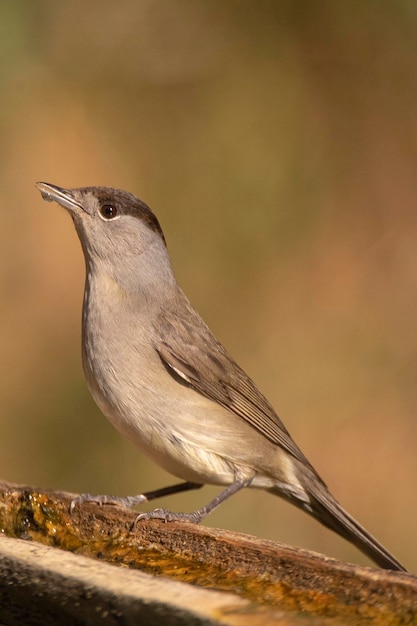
[192, 354]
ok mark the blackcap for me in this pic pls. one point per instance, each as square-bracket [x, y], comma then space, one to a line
[163, 379]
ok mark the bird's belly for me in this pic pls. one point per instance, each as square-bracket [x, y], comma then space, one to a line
[179, 429]
[158, 431]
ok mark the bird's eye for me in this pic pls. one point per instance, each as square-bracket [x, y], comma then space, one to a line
[108, 211]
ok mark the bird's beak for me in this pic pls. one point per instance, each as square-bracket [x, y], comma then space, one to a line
[64, 197]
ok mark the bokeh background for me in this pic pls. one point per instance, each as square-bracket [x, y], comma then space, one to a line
[277, 143]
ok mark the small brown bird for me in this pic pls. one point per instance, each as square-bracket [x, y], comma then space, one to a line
[163, 379]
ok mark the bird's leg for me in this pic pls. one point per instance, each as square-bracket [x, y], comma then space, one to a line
[196, 516]
[129, 501]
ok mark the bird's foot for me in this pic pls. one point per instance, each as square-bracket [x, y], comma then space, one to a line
[125, 502]
[169, 516]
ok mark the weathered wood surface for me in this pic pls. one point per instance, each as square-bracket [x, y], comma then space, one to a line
[266, 582]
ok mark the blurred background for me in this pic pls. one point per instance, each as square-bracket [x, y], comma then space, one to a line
[277, 144]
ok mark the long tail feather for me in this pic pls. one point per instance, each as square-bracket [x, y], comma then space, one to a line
[320, 503]
[329, 512]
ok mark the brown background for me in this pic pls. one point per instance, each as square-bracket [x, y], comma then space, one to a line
[277, 144]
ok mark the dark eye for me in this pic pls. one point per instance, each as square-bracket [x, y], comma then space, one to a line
[108, 211]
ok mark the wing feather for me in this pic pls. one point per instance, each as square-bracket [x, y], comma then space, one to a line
[193, 355]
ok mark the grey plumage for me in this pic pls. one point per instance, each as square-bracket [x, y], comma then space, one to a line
[158, 373]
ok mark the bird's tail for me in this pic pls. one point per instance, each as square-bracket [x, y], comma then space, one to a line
[322, 505]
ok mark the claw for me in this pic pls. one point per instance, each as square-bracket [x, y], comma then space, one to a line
[168, 516]
[126, 502]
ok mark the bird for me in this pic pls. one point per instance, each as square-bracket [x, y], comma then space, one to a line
[161, 377]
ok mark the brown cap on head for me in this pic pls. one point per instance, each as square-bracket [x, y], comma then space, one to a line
[123, 202]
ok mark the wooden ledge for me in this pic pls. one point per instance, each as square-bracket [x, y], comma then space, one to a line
[284, 583]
